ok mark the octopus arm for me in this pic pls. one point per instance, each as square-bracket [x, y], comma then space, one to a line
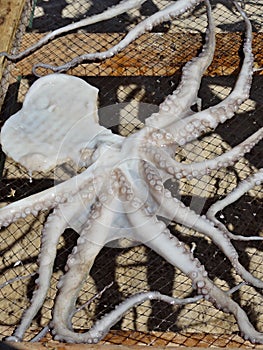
[102, 326]
[169, 12]
[53, 229]
[92, 238]
[222, 300]
[243, 187]
[173, 209]
[47, 199]
[152, 232]
[63, 216]
[179, 170]
[178, 105]
[156, 236]
[109, 13]
[193, 126]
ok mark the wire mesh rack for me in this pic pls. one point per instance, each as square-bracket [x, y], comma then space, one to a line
[135, 82]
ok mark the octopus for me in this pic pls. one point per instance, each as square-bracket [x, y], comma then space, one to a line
[121, 192]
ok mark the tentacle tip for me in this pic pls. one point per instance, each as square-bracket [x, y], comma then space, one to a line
[13, 338]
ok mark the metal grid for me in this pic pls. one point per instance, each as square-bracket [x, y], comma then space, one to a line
[138, 79]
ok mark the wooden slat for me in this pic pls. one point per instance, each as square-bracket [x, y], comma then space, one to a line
[138, 340]
[150, 55]
[10, 14]
[48, 346]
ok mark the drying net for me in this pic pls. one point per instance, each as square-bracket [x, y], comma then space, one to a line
[132, 84]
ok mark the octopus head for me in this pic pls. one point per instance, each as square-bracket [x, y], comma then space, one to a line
[58, 119]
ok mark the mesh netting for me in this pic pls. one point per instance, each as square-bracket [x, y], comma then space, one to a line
[135, 81]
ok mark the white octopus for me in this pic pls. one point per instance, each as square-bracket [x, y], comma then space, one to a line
[108, 201]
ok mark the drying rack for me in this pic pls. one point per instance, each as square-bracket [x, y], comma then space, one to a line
[138, 78]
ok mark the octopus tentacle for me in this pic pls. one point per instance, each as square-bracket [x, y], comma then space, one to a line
[166, 14]
[193, 126]
[173, 209]
[189, 218]
[224, 302]
[102, 326]
[178, 104]
[197, 169]
[111, 12]
[53, 229]
[158, 238]
[33, 204]
[93, 237]
[47, 199]
[154, 233]
[70, 284]
[243, 187]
